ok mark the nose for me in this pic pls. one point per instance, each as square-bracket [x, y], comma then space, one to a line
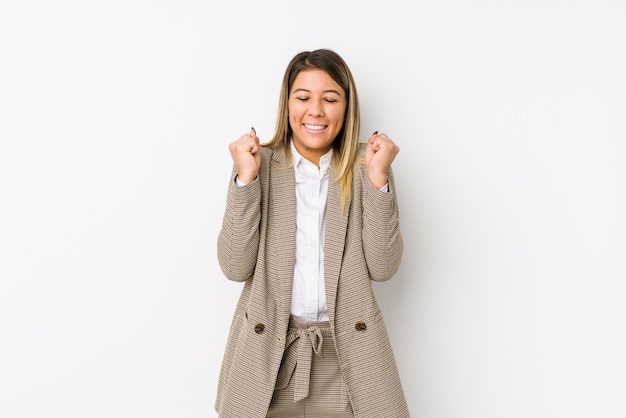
[316, 108]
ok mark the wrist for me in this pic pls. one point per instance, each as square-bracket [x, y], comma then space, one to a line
[379, 180]
[245, 178]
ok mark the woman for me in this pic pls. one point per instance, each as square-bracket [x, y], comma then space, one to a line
[311, 219]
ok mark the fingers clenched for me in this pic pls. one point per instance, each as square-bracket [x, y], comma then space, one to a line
[379, 154]
[246, 154]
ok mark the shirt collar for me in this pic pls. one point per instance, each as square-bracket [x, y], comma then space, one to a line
[324, 160]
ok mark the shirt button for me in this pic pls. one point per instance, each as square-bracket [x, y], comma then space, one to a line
[360, 326]
[259, 328]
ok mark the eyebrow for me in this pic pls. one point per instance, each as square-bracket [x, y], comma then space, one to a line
[325, 91]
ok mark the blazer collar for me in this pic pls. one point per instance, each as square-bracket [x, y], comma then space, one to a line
[282, 195]
[334, 241]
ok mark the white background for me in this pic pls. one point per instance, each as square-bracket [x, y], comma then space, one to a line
[114, 122]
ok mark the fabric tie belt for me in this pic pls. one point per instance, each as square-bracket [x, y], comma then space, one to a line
[303, 339]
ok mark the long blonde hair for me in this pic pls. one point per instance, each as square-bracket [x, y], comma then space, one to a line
[346, 144]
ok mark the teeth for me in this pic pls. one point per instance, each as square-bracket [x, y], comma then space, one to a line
[315, 127]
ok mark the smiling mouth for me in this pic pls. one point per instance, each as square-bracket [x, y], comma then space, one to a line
[315, 127]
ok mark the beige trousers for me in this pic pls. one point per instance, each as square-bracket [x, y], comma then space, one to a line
[310, 383]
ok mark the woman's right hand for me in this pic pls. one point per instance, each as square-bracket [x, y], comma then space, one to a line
[246, 154]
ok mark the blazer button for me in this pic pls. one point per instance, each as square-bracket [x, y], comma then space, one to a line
[360, 326]
[259, 328]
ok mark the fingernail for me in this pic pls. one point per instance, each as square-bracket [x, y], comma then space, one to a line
[375, 133]
[253, 130]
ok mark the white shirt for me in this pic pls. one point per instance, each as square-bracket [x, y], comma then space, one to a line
[308, 300]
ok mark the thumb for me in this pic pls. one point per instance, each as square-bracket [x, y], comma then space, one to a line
[253, 134]
[372, 138]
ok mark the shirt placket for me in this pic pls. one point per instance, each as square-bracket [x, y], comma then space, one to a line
[312, 246]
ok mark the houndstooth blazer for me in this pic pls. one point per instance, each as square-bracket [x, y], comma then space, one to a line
[256, 246]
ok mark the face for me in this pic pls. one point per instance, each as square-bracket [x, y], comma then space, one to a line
[317, 108]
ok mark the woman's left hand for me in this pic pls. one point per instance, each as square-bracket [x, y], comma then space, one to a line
[379, 155]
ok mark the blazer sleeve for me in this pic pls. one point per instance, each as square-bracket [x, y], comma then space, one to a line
[238, 241]
[382, 240]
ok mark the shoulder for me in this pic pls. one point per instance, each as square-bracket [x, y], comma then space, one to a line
[274, 155]
[267, 155]
[361, 150]
[267, 150]
[359, 164]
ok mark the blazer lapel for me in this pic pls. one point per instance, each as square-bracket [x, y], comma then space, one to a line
[334, 237]
[283, 194]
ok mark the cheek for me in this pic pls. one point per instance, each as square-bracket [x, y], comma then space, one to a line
[292, 113]
[340, 117]
[340, 120]
[292, 122]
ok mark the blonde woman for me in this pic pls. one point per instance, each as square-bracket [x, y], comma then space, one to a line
[311, 220]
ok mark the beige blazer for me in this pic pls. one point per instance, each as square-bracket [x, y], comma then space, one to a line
[256, 246]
